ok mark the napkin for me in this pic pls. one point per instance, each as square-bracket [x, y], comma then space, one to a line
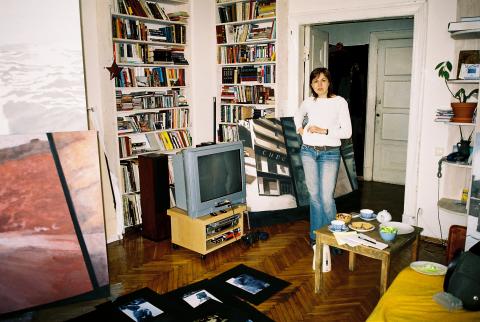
[349, 238]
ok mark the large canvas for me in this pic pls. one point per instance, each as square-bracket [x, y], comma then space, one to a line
[273, 166]
[41, 67]
[52, 237]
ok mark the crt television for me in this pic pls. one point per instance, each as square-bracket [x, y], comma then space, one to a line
[209, 178]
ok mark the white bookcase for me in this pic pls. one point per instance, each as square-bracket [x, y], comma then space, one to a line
[246, 58]
[152, 91]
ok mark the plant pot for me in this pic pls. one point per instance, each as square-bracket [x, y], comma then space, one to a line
[463, 112]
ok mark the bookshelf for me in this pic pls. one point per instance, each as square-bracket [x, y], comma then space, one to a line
[149, 40]
[246, 60]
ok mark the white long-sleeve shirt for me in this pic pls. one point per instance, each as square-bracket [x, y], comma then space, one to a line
[328, 113]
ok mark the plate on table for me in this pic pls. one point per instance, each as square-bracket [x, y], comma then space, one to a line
[429, 268]
[345, 228]
[361, 227]
[368, 219]
[402, 228]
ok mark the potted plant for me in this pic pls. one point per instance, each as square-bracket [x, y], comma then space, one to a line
[462, 110]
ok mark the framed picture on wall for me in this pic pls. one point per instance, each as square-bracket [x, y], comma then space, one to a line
[467, 57]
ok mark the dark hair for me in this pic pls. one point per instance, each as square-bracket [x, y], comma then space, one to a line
[315, 73]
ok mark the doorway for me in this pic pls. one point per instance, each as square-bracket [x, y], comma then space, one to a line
[349, 59]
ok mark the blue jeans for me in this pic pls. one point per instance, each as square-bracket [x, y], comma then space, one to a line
[321, 170]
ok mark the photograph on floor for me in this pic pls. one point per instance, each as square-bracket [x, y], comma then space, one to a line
[249, 284]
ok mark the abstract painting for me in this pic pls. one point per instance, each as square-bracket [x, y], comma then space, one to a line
[52, 236]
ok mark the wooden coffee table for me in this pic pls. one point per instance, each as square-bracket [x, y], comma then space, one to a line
[324, 236]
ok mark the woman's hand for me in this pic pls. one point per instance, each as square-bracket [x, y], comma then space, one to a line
[300, 131]
[316, 129]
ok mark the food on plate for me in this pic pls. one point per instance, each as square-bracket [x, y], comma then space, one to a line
[362, 225]
[344, 216]
[388, 229]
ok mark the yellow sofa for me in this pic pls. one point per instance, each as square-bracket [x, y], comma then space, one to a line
[410, 298]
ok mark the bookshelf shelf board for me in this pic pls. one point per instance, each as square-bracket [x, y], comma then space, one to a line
[457, 123]
[226, 3]
[254, 63]
[149, 20]
[250, 84]
[257, 106]
[151, 43]
[150, 110]
[155, 131]
[464, 81]
[246, 22]
[465, 34]
[452, 206]
[145, 89]
[132, 157]
[252, 42]
[133, 64]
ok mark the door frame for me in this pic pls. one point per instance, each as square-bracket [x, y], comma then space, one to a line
[417, 10]
[375, 38]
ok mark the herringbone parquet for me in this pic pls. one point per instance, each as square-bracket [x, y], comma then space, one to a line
[136, 262]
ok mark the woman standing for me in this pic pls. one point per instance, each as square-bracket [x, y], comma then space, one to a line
[322, 120]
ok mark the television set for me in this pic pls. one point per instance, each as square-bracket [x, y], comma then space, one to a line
[209, 178]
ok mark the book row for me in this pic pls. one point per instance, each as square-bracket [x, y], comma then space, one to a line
[229, 34]
[124, 28]
[246, 53]
[132, 210]
[228, 133]
[235, 113]
[154, 141]
[246, 11]
[150, 77]
[130, 176]
[248, 94]
[141, 8]
[150, 100]
[148, 122]
[148, 54]
[237, 75]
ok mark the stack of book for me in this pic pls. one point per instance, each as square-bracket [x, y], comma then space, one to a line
[443, 115]
[180, 16]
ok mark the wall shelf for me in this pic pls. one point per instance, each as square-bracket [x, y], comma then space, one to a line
[452, 206]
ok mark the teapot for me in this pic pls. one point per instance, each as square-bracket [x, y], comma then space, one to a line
[384, 216]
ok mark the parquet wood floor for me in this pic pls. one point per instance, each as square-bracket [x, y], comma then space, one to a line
[136, 262]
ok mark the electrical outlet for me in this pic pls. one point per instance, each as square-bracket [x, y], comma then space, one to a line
[438, 151]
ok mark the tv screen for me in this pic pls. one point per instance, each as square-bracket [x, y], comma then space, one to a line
[210, 178]
[219, 174]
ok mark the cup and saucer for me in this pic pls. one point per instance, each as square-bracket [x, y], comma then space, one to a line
[337, 226]
[367, 214]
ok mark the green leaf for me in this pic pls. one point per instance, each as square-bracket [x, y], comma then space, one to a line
[449, 66]
[439, 65]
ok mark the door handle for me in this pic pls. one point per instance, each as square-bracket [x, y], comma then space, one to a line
[378, 114]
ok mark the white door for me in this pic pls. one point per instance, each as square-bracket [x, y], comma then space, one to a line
[315, 54]
[394, 65]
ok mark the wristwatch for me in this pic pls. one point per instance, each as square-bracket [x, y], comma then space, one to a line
[326, 133]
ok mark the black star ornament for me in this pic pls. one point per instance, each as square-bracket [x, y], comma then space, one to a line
[114, 70]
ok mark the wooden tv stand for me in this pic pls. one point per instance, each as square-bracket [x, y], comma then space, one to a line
[191, 232]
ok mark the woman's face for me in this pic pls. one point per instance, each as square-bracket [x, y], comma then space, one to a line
[320, 85]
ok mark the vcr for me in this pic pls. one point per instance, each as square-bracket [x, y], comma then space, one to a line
[223, 224]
